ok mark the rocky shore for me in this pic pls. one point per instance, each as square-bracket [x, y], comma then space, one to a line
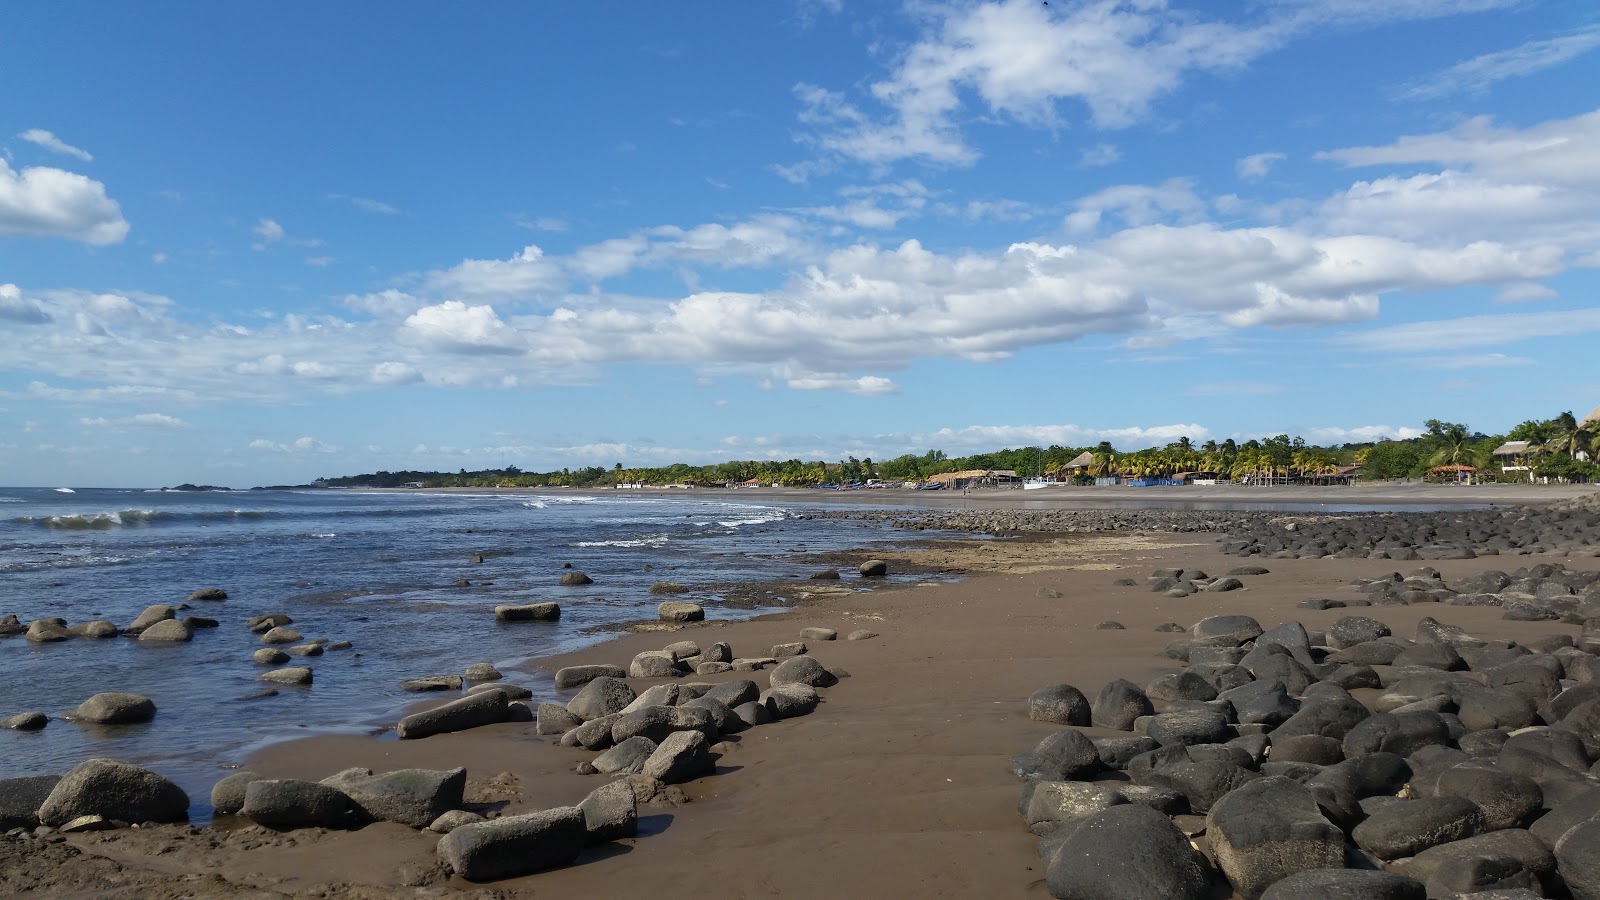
[1250, 704]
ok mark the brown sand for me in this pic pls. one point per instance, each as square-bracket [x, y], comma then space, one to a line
[897, 786]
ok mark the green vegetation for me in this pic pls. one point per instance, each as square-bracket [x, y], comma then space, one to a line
[1559, 449]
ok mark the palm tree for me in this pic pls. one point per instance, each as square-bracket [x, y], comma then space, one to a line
[1451, 439]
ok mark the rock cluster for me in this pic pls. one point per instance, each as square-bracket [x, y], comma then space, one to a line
[1571, 527]
[1470, 768]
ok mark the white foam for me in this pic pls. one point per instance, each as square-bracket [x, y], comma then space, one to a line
[655, 540]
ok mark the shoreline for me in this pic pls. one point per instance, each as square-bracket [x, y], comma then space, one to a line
[898, 784]
[1066, 496]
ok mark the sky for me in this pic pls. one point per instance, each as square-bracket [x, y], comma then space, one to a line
[246, 244]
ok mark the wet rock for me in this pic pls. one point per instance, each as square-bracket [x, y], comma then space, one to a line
[873, 568]
[471, 711]
[152, 614]
[282, 634]
[227, 795]
[575, 579]
[483, 672]
[99, 629]
[432, 683]
[264, 624]
[209, 594]
[668, 587]
[114, 708]
[26, 721]
[528, 612]
[1061, 704]
[287, 675]
[577, 676]
[677, 611]
[167, 630]
[47, 631]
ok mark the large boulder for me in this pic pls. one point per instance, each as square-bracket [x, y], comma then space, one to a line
[113, 790]
[683, 755]
[115, 708]
[1511, 842]
[602, 696]
[1578, 860]
[515, 845]
[471, 711]
[1127, 852]
[677, 611]
[1268, 829]
[735, 693]
[788, 701]
[575, 579]
[1067, 755]
[287, 675]
[611, 812]
[167, 631]
[1506, 799]
[1067, 802]
[1401, 733]
[210, 593]
[627, 756]
[802, 670]
[655, 664]
[413, 797]
[1060, 704]
[1119, 704]
[290, 803]
[657, 722]
[1408, 827]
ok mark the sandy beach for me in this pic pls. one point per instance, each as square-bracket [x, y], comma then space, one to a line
[897, 786]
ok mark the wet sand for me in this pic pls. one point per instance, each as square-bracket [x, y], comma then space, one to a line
[897, 786]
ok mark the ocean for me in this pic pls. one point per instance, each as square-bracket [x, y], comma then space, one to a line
[410, 578]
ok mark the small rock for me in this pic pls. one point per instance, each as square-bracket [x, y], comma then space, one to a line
[287, 675]
[28, 721]
[575, 579]
[113, 708]
[675, 611]
[873, 568]
[861, 634]
[210, 593]
[530, 612]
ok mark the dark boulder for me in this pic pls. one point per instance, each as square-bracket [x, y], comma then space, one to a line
[515, 845]
[1128, 852]
[1061, 704]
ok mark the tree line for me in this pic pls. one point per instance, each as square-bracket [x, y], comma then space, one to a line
[1560, 448]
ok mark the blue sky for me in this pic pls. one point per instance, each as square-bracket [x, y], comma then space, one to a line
[247, 245]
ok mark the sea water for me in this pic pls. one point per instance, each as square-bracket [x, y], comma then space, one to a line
[410, 578]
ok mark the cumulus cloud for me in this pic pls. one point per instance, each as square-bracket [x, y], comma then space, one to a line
[50, 142]
[44, 202]
[457, 327]
[298, 446]
[16, 308]
[1361, 434]
[268, 230]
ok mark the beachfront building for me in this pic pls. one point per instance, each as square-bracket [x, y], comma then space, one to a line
[976, 478]
[1516, 458]
[1079, 465]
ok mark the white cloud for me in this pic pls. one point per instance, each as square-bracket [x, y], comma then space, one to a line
[16, 308]
[1482, 72]
[871, 385]
[366, 204]
[1020, 59]
[526, 274]
[298, 446]
[159, 421]
[1174, 200]
[1474, 331]
[990, 437]
[46, 202]
[1468, 361]
[319, 262]
[390, 372]
[1361, 434]
[1101, 154]
[1256, 166]
[54, 144]
[268, 230]
[1524, 292]
[456, 327]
